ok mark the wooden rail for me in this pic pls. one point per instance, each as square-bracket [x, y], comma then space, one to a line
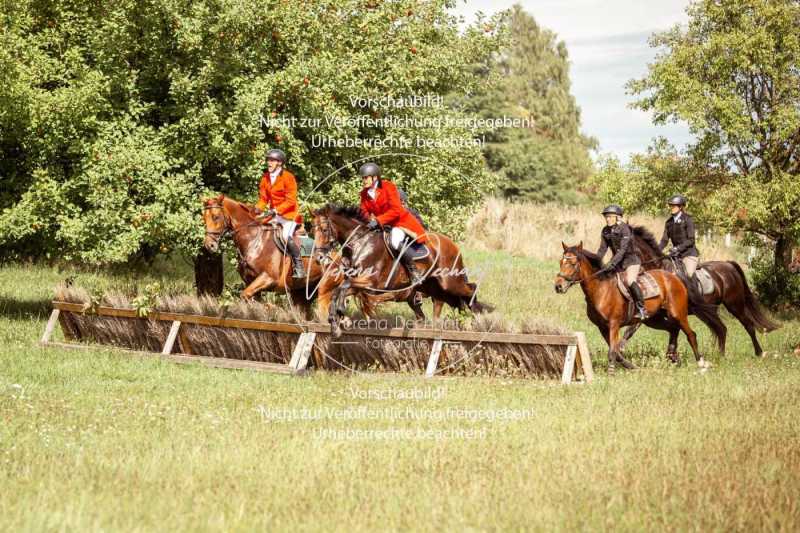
[577, 356]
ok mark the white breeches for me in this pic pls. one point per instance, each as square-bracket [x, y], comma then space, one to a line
[287, 227]
[396, 238]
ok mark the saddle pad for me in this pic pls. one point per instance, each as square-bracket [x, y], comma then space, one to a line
[418, 251]
[646, 282]
[303, 241]
[704, 281]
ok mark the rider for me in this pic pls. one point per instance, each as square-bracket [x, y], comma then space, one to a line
[380, 198]
[618, 235]
[679, 229]
[278, 192]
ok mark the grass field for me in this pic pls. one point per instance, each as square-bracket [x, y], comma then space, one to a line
[99, 440]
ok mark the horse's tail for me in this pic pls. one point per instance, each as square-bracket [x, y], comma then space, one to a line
[474, 304]
[752, 308]
[709, 315]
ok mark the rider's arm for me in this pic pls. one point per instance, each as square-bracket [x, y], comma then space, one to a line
[601, 252]
[664, 237]
[263, 201]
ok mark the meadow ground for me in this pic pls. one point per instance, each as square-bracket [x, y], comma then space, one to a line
[99, 440]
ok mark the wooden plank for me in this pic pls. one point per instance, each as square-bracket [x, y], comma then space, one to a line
[51, 324]
[430, 334]
[216, 362]
[586, 357]
[183, 342]
[302, 351]
[569, 364]
[173, 334]
[433, 360]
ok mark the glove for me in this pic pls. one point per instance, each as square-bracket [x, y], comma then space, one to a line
[373, 224]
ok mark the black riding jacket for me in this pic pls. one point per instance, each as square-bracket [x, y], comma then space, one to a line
[681, 234]
[620, 239]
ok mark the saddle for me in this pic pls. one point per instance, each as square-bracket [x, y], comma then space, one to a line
[418, 251]
[303, 242]
[704, 281]
[647, 284]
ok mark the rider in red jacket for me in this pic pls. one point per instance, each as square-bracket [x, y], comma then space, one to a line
[380, 199]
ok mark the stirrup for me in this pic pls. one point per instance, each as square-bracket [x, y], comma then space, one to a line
[641, 313]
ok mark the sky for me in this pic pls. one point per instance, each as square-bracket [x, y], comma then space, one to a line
[607, 43]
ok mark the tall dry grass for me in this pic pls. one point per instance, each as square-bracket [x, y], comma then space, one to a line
[537, 230]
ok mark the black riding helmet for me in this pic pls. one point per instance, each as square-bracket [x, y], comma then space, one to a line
[613, 209]
[369, 169]
[678, 199]
[277, 153]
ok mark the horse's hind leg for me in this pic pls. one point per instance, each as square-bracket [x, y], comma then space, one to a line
[416, 305]
[692, 336]
[629, 331]
[737, 309]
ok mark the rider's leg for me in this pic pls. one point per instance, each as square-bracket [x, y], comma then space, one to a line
[297, 262]
[396, 238]
[690, 265]
[631, 273]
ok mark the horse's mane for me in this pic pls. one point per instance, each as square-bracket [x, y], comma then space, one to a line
[645, 240]
[348, 211]
[595, 260]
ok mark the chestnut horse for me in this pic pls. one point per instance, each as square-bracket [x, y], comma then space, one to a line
[609, 310]
[730, 288]
[262, 266]
[371, 273]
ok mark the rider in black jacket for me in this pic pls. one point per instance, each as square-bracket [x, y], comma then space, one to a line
[618, 236]
[679, 229]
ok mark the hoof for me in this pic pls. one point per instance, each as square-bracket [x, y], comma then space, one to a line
[612, 369]
[346, 323]
[703, 364]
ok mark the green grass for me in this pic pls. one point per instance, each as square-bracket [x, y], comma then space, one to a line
[100, 440]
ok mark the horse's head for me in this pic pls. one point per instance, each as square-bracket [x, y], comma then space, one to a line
[570, 268]
[216, 221]
[324, 236]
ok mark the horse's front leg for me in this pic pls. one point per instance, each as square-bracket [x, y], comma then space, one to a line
[337, 308]
[629, 331]
[614, 354]
[260, 283]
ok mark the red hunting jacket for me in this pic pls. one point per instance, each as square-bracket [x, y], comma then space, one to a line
[280, 196]
[389, 210]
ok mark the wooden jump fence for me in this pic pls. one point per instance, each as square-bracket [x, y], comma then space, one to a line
[178, 346]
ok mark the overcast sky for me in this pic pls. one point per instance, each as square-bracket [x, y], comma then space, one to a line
[607, 43]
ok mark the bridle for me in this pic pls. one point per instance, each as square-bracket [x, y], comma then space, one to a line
[228, 229]
[572, 279]
[327, 233]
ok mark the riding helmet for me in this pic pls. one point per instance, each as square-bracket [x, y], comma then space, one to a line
[369, 169]
[613, 209]
[277, 153]
[678, 199]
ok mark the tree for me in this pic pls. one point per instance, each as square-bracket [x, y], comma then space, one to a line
[732, 75]
[116, 116]
[529, 78]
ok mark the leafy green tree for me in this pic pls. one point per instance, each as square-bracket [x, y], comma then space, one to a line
[116, 116]
[733, 76]
[529, 78]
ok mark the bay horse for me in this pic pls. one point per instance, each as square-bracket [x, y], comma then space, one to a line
[372, 274]
[261, 264]
[608, 309]
[730, 287]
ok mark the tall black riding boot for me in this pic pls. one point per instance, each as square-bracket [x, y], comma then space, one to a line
[638, 299]
[417, 277]
[297, 262]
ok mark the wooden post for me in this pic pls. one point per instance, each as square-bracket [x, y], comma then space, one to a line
[51, 324]
[433, 360]
[173, 334]
[569, 364]
[302, 351]
[586, 357]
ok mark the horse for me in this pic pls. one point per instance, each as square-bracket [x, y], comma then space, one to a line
[607, 308]
[730, 287]
[262, 265]
[372, 273]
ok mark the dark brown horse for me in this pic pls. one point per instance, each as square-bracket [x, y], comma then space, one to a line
[609, 310]
[730, 287]
[372, 273]
[262, 265]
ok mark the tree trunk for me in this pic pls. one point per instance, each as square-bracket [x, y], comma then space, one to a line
[208, 274]
[783, 253]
